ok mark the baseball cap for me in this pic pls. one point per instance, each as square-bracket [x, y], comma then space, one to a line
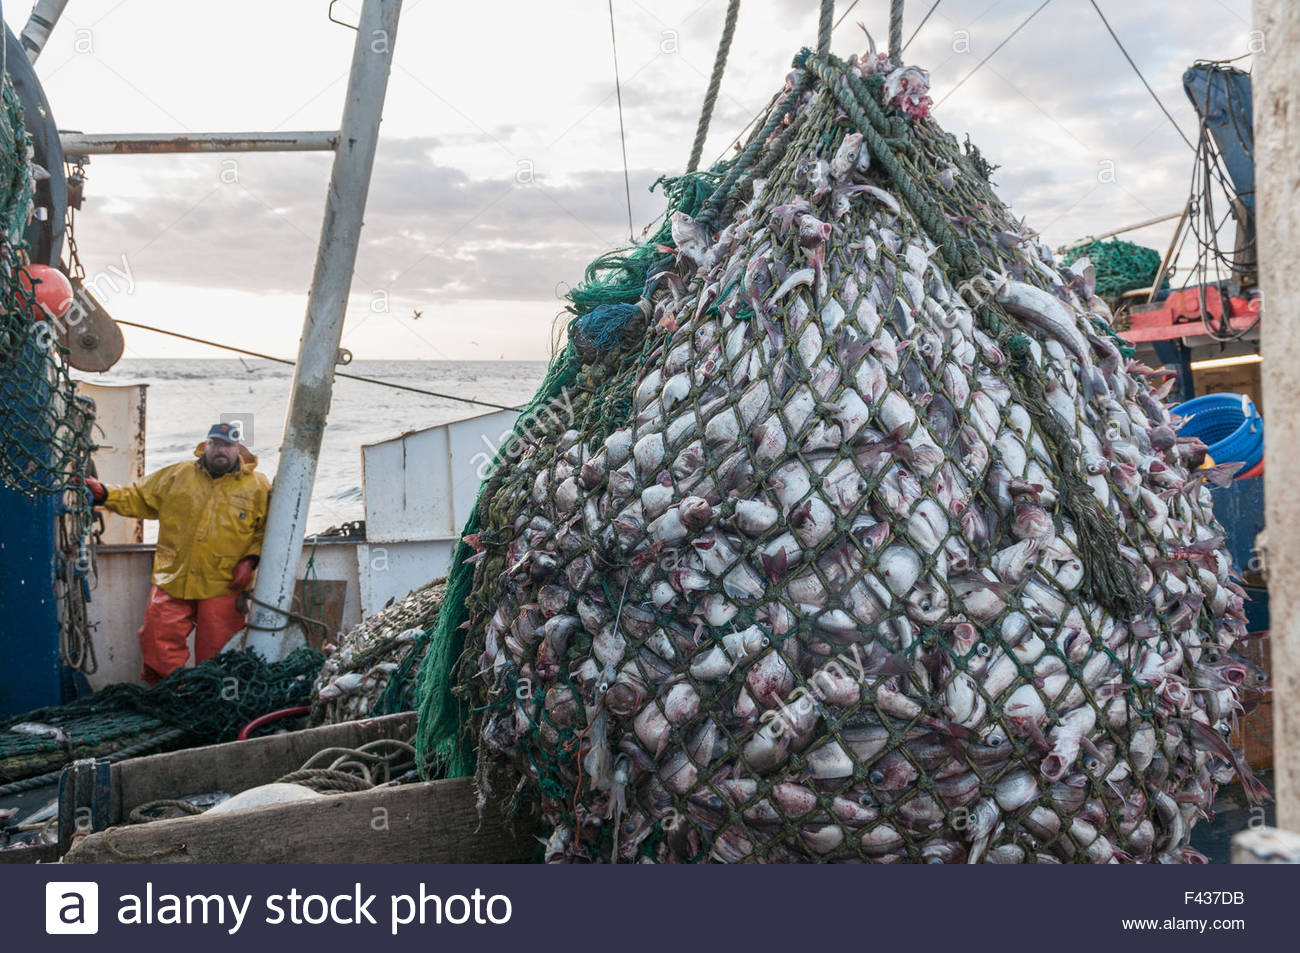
[227, 431]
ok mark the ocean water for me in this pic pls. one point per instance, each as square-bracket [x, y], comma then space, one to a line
[185, 397]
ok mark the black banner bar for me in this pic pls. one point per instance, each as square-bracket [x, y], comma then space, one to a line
[665, 910]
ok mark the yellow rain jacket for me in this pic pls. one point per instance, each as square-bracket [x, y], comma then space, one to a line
[206, 524]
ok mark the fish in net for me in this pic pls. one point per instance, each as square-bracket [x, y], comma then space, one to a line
[373, 668]
[866, 540]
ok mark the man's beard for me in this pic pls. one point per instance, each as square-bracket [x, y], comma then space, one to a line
[212, 469]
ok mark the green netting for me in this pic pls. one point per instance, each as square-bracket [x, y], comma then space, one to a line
[44, 427]
[90, 735]
[210, 702]
[858, 543]
[444, 718]
[1121, 266]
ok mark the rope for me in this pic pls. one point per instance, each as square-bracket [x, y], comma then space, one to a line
[1004, 42]
[866, 115]
[337, 373]
[354, 769]
[727, 188]
[622, 134]
[291, 618]
[1105, 577]
[824, 27]
[139, 858]
[143, 814]
[1114, 37]
[762, 112]
[327, 781]
[715, 81]
[896, 30]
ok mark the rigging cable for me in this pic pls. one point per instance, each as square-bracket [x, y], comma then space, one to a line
[1005, 41]
[1114, 37]
[1205, 224]
[622, 134]
[285, 360]
[933, 7]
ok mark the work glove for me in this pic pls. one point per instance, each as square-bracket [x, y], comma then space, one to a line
[98, 492]
[242, 577]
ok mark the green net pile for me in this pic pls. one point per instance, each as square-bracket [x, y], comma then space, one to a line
[855, 537]
[44, 426]
[375, 665]
[209, 702]
[1121, 266]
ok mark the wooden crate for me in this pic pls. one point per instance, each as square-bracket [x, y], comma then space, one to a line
[237, 765]
[431, 822]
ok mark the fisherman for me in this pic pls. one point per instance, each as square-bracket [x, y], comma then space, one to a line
[211, 515]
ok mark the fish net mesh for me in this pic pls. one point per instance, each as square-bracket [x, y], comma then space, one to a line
[44, 426]
[1121, 266]
[840, 543]
[210, 702]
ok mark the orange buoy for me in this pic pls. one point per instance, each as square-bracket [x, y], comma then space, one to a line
[51, 287]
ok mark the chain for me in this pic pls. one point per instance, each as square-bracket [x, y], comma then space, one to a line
[76, 175]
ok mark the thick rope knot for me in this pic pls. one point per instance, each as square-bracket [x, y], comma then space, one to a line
[861, 101]
[601, 326]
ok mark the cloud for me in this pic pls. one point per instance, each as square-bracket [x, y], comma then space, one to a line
[429, 228]
[499, 186]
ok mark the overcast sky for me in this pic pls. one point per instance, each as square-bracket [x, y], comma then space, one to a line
[500, 172]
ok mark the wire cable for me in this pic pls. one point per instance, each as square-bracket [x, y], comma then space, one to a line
[933, 7]
[285, 360]
[844, 14]
[1005, 41]
[1114, 37]
[622, 133]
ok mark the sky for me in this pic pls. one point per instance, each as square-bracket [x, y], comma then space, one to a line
[500, 169]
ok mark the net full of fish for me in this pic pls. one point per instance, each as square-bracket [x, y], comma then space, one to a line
[356, 677]
[844, 561]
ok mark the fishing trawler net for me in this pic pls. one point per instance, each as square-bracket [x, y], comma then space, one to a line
[373, 668]
[44, 426]
[844, 529]
[205, 704]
